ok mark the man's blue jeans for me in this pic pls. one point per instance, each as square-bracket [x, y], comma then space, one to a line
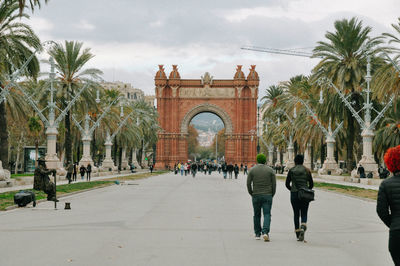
[264, 203]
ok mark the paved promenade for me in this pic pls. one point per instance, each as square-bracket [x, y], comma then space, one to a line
[175, 220]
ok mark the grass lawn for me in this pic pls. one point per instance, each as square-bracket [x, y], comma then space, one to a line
[348, 190]
[7, 198]
[21, 175]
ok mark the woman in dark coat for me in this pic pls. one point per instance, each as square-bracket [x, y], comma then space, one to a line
[388, 203]
[299, 177]
[82, 170]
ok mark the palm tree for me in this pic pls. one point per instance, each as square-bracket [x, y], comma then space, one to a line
[388, 133]
[271, 96]
[344, 62]
[22, 4]
[69, 62]
[386, 81]
[17, 42]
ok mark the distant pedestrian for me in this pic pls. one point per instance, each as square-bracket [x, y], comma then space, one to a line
[224, 169]
[261, 185]
[82, 170]
[245, 169]
[388, 203]
[151, 167]
[75, 172]
[299, 177]
[236, 170]
[88, 172]
[185, 168]
[182, 169]
[194, 169]
[70, 170]
[230, 170]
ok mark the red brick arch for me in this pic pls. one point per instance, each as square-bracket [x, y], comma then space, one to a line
[234, 101]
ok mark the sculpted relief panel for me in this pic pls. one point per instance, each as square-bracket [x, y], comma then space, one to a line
[207, 92]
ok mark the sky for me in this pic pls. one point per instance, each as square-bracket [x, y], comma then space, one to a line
[130, 38]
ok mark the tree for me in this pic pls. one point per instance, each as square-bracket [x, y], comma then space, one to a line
[386, 82]
[344, 62]
[23, 3]
[221, 142]
[193, 143]
[271, 98]
[17, 42]
[69, 62]
[35, 128]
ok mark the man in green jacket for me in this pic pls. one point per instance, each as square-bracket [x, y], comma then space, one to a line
[261, 185]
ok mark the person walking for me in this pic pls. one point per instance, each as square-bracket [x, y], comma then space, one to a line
[74, 173]
[194, 169]
[151, 167]
[388, 203]
[82, 170]
[185, 168]
[299, 177]
[230, 170]
[261, 185]
[182, 168]
[236, 170]
[70, 170]
[245, 170]
[224, 169]
[88, 172]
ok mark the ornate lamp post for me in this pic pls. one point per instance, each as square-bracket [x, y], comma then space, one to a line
[367, 126]
[87, 132]
[52, 122]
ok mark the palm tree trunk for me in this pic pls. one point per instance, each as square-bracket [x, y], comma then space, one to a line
[3, 136]
[68, 139]
[350, 141]
[36, 152]
[119, 158]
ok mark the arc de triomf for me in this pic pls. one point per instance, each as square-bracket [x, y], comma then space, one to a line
[234, 101]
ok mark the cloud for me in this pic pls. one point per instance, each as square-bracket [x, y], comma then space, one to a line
[130, 38]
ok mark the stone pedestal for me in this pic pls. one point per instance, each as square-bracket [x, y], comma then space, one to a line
[86, 157]
[290, 158]
[330, 164]
[124, 160]
[134, 159]
[52, 161]
[307, 156]
[271, 155]
[278, 157]
[5, 177]
[367, 160]
[108, 163]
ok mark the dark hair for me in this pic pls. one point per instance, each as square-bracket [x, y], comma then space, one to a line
[299, 159]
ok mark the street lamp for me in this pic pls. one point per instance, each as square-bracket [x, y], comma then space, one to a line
[258, 135]
[216, 140]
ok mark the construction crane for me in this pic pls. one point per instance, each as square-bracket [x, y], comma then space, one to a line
[279, 51]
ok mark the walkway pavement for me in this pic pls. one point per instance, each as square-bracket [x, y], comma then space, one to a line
[180, 220]
[333, 181]
[62, 182]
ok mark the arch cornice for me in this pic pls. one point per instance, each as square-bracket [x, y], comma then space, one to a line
[207, 107]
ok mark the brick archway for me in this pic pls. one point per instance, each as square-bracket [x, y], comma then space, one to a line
[211, 108]
[234, 101]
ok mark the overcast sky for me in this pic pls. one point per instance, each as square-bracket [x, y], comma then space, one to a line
[131, 37]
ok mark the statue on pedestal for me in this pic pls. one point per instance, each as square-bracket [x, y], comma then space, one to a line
[41, 180]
